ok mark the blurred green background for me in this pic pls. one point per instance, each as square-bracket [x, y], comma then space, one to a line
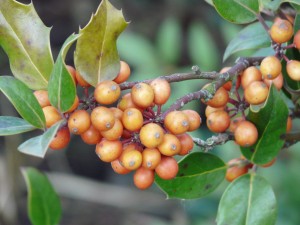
[163, 37]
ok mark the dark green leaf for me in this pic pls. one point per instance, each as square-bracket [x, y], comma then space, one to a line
[253, 36]
[25, 39]
[61, 88]
[43, 203]
[199, 174]
[13, 125]
[23, 100]
[96, 56]
[169, 40]
[237, 11]
[270, 122]
[38, 146]
[202, 48]
[249, 200]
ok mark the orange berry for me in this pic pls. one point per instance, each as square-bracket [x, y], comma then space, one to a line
[151, 158]
[52, 115]
[81, 81]
[177, 122]
[278, 82]
[75, 105]
[293, 69]
[218, 121]
[124, 73]
[143, 178]
[132, 119]
[162, 91]
[270, 67]
[289, 124]
[115, 132]
[107, 92]
[297, 40]
[61, 139]
[42, 97]
[234, 123]
[187, 143]
[170, 145]
[209, 110]
[131, 159]
[194, 119]
[151, 135]
[91, 136]
[168, 168]
[79, 122]
[118, 168]
[220, 98]
[256, 92]
[102, 118]
[249, 75]
[109, 151]
[142, 95]
[281, 31]
[234, 172]
[117, 112]
[126, 102]
[133, 146]
[245, 134]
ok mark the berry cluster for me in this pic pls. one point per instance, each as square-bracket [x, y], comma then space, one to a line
[134, 136]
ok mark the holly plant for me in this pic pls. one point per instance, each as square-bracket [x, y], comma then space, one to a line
[252, 103]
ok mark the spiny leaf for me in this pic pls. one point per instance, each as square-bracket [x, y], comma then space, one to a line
[199, 174]
[61, 88]
[43, 203]
[38, 146]
[249, 200]
[96, 55]
[23, 100]
[25, 39]
[13, 125]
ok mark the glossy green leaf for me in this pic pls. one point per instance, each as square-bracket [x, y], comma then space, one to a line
[169, 40]
[253, 36]
[23, 100]
[237, 11]
[43, 203]
[270, 122]
[13, 125]
[249, 200]
[61, 88]
[25, 39]
[202, 48]
[96, 55]
[38, 146]
[292, 53]
[199, 174]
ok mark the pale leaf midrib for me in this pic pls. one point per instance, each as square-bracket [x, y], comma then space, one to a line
[21, 44]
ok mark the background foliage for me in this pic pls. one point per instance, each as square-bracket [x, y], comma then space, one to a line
[163, 37]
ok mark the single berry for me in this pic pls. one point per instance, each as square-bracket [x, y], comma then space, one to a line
[177, 122]
[245, 134]
[61, 139]
[79, 122]
[143, 178]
